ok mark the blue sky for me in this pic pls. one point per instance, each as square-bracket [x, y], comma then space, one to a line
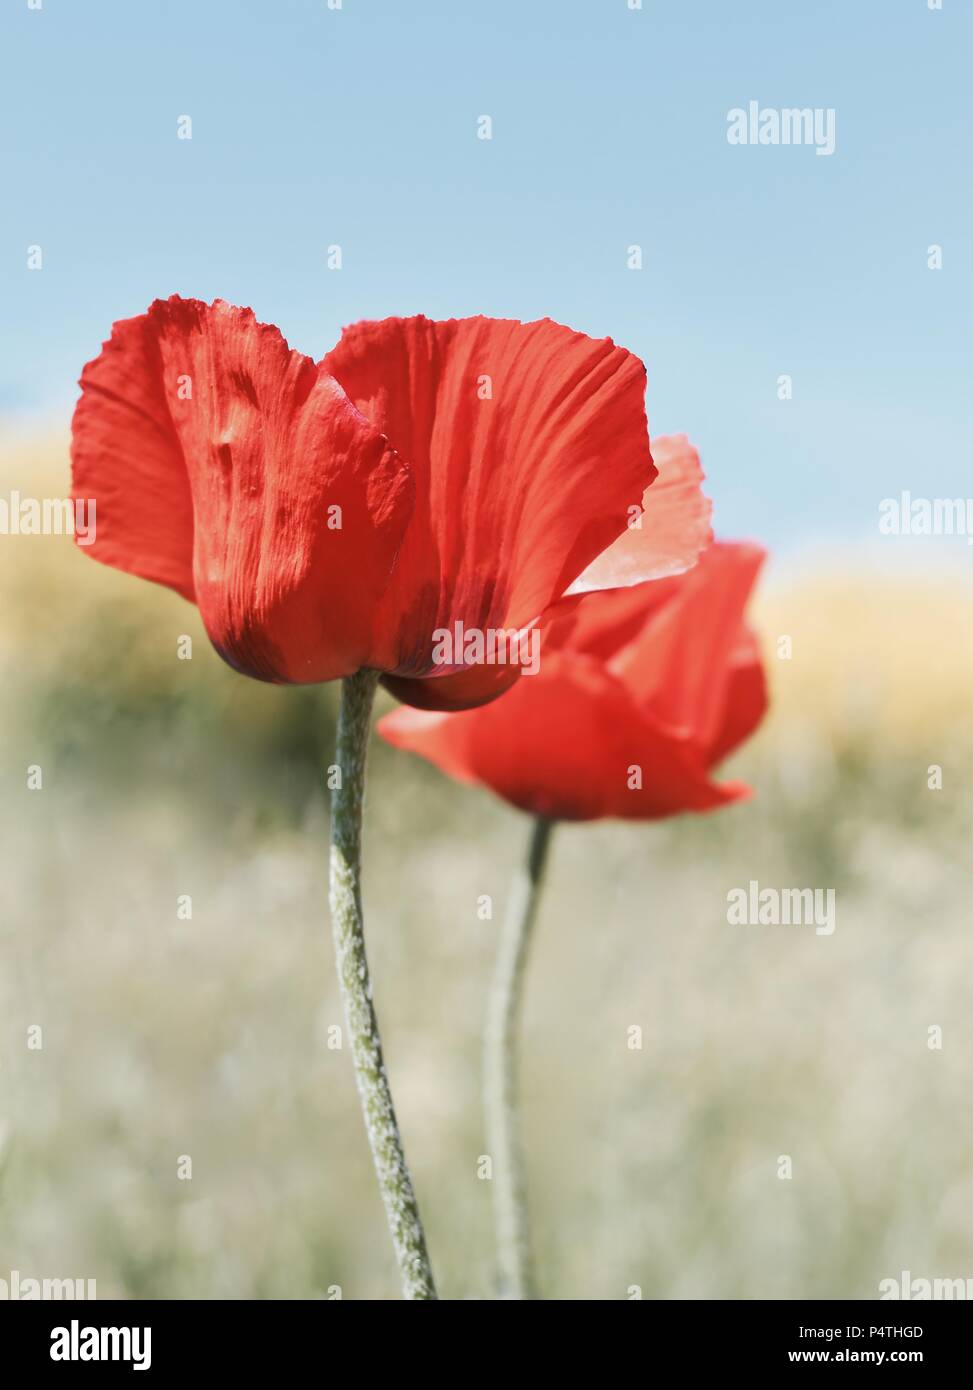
[357, 126]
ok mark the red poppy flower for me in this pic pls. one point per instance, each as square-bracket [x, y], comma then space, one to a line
[331, 517]
[639, 693]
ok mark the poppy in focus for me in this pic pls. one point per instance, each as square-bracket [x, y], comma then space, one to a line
[331, 517]
[639, 693]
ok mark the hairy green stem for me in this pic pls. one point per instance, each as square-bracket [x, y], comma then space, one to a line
[500, 1089]
[357, 696]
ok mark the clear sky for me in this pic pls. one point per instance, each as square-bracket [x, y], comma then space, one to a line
[357, 126]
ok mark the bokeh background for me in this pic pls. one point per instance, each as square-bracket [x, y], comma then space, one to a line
[162, 777]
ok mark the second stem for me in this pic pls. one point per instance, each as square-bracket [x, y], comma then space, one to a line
[500, 1088]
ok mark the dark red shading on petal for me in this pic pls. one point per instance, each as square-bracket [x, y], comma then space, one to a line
[274, 456]
[467, 689]
[529, 443]
[672, 530]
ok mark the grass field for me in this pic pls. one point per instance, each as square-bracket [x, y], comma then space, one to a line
[655, 1168]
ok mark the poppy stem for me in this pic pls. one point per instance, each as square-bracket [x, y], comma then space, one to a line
[401, 1208]
[500, 1091]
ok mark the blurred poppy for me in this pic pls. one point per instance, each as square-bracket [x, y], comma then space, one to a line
[333, 517]
[640, 692]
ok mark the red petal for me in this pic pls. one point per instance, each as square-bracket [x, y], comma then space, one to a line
[678, 666]
[746, 698]
[563, 744]
[125, 456]
[603, 622]
[672, 531]
[270, 446]
[517, 492]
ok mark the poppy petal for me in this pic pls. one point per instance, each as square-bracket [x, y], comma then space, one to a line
[569, 744]
[746, 698]
[602, 622]
[298, 504]
[671, 531]
[529, 444]
[126, 456]
[679, 663]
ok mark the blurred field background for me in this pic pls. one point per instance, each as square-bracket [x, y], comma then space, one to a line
[655, 1168]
